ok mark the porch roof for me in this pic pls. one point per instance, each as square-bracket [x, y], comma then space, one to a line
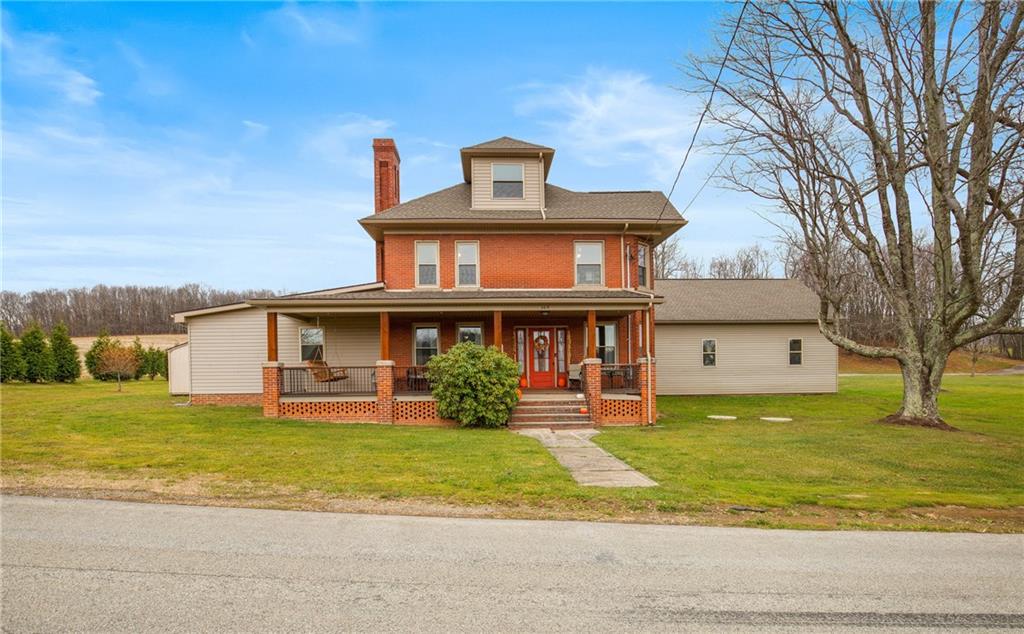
[504, 299]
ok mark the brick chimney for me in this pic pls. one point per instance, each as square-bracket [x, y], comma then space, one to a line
[385, 175]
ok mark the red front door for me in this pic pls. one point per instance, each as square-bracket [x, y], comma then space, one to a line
[542, 364]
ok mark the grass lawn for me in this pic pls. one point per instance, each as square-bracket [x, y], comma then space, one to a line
[831, 467]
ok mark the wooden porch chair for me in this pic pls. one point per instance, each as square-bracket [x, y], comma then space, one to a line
[575, 375]
[322, 373]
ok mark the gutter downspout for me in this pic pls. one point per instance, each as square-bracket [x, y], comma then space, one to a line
[625, 284]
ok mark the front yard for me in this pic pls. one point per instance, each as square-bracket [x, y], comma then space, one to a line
[831, 467]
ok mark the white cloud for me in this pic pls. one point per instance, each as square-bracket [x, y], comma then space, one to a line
[320, 24]
[254, 129]
[150, 80]
[610, 118]
[37, 58]
[346, 142]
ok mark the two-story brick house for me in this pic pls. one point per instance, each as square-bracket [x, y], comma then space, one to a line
[559, 280]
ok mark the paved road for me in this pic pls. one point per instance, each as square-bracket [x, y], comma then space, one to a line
[111, 566]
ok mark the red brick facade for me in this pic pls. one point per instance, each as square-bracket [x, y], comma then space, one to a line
[510, 260]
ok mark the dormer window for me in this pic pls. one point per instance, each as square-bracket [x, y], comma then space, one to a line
[507, 180]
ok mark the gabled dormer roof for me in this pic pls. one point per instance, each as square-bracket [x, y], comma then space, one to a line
[505, 146]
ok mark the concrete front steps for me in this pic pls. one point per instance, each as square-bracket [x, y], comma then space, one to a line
[550, 412]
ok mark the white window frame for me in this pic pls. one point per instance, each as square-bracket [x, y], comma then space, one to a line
[713, 354]
[790, 353]
[575, 264]
[522, 179]
[476, 243]
[615, 341]
[437, 262]
[644, 264]
[469, 324]
[416, 326]
[323, 344]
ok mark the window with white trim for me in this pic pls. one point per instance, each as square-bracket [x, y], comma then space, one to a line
[641, 264]
[709, 353]
[470, 332]
[311, 344]
[796, 352]
[589, 263]
[425, 343]
[426, 264]
[506, 180]
[606, 341]
[467, 264]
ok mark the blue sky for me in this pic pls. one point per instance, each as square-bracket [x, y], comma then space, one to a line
[229, 144]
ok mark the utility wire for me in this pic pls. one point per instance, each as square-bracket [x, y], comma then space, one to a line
[707, 107]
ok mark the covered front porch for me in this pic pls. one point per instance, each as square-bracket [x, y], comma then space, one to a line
[320, 365]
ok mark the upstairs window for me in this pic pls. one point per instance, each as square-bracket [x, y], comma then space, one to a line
[589, 263]
[641, 265]
[467, 264]
[796, 352]
[426, 264]
[312, 344]
[507, 180]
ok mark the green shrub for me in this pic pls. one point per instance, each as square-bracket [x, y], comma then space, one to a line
[140, 358]
[39, 366]
[67, 366]
[154, 362]
[95, 353]
[473, 385]
[12, 364]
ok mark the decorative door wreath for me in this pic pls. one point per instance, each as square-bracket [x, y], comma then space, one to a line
[541, 343]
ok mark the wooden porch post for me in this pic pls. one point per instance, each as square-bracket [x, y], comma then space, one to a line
[498, 337]
[271, 336]
[385, 336]
[591, 334]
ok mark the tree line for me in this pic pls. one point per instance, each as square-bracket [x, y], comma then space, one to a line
[118, 310]
[864, 314]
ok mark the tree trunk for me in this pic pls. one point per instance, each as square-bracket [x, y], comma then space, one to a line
[922, 381]
[118, 381]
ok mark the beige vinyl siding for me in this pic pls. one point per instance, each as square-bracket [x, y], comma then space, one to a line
[227, 350]
[532, 183]
[179, 375]
[350, 340]
[751, 359]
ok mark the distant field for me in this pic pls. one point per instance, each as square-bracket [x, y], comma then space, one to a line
[959, 361]
[157, 341]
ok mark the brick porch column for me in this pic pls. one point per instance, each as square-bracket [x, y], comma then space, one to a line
[592, 385]
[386, 392]
[272, 388]
[648, 396]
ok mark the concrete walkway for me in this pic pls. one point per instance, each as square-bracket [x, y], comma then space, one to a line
[587, 463]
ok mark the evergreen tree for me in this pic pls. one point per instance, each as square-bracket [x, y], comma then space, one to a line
[39, 365]
[12, 365]
[67, 366]
[140, 358]
[95, 353]
[155, 362]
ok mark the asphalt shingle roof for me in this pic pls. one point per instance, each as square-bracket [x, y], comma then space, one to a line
[455, 203]
[735, 300]
[472, 295]
[507, 143]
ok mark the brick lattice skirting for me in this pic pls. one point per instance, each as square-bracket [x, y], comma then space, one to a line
[621, 412]
[341, 411]
[236, 400]
[419, 413]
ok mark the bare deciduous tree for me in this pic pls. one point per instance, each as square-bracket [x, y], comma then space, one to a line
[750, 263]
[890, 133]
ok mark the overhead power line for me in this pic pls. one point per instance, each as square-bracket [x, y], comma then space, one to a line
[707, 107]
